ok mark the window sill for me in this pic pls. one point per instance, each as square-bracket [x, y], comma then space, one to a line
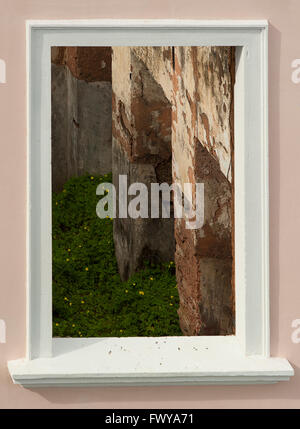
[148, 361]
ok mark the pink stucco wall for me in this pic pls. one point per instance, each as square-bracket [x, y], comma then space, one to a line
[283, 16]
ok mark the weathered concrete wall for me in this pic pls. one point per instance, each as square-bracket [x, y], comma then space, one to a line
[141, 150]
[202, 142]
[198, 84]
[81, 112]
[139, 240]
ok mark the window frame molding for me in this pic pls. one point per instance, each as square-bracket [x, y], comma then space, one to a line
[247, 354]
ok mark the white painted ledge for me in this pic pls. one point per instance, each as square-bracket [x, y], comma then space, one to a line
[148, 361]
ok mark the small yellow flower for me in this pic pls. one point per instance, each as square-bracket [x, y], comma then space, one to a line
[69, 250]
[92, 177]
[66, 299]
[79, 245]
[70, 303]
[126, 291]
[82, 302]
[141, 292]
[88, 311]
[73, 326]
[133, 284]
[171, 303]
[67, 259]
[172, 296]
[57, 324]
[111, 218]
[79, 332]
[86, 268]
[121, 330]
[151, 278]
[64, 190]
[107, 190]
[56, 203]
[171, 262]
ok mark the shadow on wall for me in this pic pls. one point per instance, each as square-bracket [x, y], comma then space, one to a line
[81, 112]
[142, 151]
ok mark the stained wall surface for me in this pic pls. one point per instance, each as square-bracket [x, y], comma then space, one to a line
[173, 122]
[284, 131]
[80, 112]
[142, 150]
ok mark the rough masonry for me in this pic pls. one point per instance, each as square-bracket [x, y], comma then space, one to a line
[142, 120]
[157, 114]
[81, 112]
[173, 106]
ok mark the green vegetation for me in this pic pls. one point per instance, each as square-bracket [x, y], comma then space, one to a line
[89, 298]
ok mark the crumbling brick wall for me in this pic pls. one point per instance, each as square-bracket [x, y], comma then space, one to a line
[142, 151]
[172, 121]
[202, 142]
[198, 84]
[81, 112]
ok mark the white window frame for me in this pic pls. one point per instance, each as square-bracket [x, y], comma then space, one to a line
[240, 359]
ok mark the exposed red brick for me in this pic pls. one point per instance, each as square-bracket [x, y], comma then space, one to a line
[198, 119]
[92, 64]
